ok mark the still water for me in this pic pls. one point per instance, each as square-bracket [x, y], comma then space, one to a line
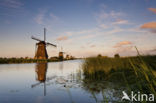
[55, 82]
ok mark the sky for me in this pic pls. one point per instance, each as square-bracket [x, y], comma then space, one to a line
[81, 27]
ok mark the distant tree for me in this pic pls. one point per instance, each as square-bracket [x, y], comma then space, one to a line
[116, 56]
[21, 58]
[99, 55]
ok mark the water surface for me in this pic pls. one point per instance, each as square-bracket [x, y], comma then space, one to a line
[55, 82]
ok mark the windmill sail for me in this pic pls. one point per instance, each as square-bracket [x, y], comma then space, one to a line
[50, 44]
[41, 52]
[32, 37]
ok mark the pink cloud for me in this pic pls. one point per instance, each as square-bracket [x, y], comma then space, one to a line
[120, 44]
[152, 9]
[61, 38]
[149, 25]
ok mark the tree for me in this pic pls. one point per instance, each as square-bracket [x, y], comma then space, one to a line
[116, 56]
[99, 55]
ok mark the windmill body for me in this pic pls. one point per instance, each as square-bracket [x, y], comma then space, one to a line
[61, 57]
[41, 52]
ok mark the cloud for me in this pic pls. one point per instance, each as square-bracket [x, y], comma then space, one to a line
[102, 15]
[11, 3]
[94, 32]
[61, 38]
[40, 17]
[54, 17]
[151, 26]
[43, 17]
[115, 30]
[89, 33]
[120, 21]
[152, 9]
[120, 44]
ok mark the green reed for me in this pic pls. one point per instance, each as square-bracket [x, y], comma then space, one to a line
[135, 73]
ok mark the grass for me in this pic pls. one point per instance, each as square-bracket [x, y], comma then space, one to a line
[24, 60]
[135, 73]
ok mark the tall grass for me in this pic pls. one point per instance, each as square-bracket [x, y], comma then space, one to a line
[135, 73]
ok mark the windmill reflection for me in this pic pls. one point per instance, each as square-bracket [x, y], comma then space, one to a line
[41, 70]
[61, 67]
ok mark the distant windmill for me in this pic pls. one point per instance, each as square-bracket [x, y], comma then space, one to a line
[61, 54]
[41, 52]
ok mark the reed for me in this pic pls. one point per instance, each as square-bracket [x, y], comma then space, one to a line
[135, 73]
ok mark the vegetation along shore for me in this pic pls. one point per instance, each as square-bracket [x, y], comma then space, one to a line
[136, 73]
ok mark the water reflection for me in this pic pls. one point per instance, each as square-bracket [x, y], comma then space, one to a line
[61, 66]
[56, 82]
[102, 91]
[99, 89]
[41, 71]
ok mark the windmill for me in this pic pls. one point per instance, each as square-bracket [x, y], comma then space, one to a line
[41, 52]
[61, 57]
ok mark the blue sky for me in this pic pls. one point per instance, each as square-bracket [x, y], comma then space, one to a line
[82, 27]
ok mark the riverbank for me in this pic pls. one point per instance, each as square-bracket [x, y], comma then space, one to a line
[24, 60]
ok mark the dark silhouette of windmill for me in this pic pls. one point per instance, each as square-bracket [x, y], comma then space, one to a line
[41, 52]
[61, 53]
[41, 71]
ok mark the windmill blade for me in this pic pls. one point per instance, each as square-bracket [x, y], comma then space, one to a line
[47, 80]
[32, 37]
[50, 44]
[34, 85]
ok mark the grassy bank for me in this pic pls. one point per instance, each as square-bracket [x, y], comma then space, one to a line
[134, 73]
[23, 60]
